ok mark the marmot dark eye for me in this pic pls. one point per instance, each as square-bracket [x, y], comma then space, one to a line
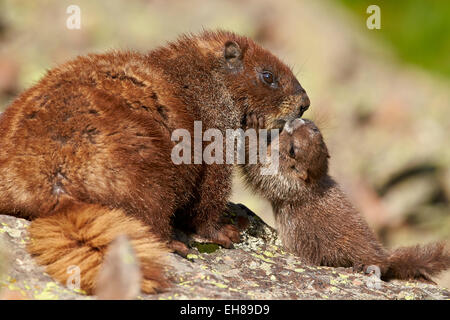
[267, 77]
[292, 151]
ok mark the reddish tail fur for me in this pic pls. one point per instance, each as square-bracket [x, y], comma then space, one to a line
[418, 262]
[79, 234]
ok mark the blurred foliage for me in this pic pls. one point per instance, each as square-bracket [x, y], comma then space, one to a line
[417, 30]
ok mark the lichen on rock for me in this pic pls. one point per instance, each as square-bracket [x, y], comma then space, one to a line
[257, 268]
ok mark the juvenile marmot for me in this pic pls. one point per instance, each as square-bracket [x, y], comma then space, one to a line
[89, 147]
[315, 219]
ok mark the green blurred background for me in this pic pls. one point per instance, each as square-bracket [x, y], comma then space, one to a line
[416, 31]
[381, 97]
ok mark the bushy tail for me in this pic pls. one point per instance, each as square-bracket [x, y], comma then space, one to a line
[80, 234]
[418, 262]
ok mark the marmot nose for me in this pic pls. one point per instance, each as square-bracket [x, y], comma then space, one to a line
[291, 125]
[304, 105]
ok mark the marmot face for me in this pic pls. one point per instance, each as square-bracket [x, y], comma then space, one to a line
[303, 153]
[302, 163]
[262, 84]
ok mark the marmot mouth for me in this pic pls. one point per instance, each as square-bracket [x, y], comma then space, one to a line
[279, 124]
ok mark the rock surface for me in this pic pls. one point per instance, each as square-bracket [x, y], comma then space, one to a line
[257, 268]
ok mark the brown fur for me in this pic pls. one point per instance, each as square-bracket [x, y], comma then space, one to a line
[317, 222]
[80, 234]
[97, 130]
[119, 277]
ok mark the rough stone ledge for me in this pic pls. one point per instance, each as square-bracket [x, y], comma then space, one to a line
[257, 268]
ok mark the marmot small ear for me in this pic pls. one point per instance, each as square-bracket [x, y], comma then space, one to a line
[233, 55]
[303, 174]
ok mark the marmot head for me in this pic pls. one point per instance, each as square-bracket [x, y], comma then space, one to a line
[255, 78]
[302, 162]
[303, 153]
